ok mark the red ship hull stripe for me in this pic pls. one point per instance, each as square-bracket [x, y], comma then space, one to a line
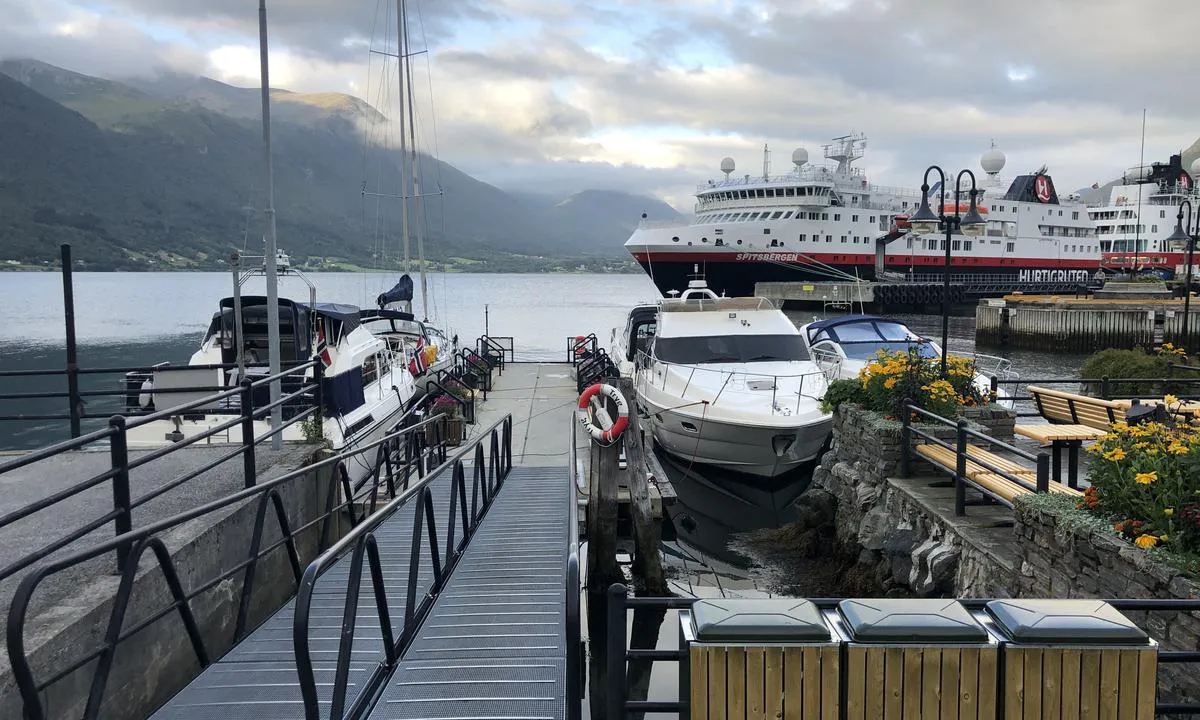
[864, 259]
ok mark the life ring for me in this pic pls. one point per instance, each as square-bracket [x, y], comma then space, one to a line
[595, 431]
[580, 347]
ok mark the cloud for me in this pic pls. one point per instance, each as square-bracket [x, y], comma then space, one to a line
[647, 97]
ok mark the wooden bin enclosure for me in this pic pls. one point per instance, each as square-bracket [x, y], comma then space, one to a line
[1074, 659]
[761, 659]
[925, 659]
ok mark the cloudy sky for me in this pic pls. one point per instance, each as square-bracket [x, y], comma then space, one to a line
[648, 95]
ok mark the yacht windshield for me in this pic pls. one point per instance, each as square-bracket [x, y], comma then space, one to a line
[867, 349]
[730, 349]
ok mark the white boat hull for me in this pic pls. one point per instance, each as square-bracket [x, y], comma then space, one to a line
[765, 451]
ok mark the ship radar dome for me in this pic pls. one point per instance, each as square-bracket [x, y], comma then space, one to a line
[727, 165]
[799, 157]
[992, 161]
[1196, 167]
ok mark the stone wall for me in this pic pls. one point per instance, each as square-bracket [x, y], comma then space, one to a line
[1065, 554]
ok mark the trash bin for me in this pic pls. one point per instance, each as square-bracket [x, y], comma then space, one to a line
[1074, 659]
[917, 658]
[761, 658]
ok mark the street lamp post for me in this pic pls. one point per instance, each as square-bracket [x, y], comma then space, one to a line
[1184, 233]
[924, 222]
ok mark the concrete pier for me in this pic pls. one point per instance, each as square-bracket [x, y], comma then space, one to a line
[542, 399]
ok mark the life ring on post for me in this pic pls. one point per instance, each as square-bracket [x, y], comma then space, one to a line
[596, 432]
[580, 347]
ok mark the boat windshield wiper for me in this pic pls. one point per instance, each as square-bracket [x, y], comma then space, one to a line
[763, 357]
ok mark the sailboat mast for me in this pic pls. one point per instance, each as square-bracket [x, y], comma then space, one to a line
[415, 165]
[269, 261]
[401, 51]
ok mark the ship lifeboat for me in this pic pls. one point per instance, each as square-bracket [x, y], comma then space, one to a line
[948, 208]
[900, 223]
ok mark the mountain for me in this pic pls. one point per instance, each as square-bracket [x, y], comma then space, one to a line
[165, 173]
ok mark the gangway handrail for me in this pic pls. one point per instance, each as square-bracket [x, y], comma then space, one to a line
[360, 543]
[137, 541]
[575, 655]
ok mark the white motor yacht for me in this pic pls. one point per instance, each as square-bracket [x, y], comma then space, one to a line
[843, 346]
[728, 382]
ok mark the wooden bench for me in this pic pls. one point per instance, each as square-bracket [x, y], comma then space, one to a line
[986, 478]
[1064, 408]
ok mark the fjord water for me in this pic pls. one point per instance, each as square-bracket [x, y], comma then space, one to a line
[144, 318]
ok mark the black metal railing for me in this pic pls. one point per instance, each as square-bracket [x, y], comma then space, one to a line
[619, 652]
[115, 434]
[1104, 388]
[499, 347]
[575, 651]
[592, 363]
[581, 345]
[488, 473]
[963, 435]
[397, 457]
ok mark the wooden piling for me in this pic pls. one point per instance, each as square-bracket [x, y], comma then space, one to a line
[647, 534]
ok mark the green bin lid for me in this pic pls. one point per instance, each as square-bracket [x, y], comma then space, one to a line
[1092, 622]
[758, 620]
[888, 620]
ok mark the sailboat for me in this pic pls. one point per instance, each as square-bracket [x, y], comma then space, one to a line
[393, 319]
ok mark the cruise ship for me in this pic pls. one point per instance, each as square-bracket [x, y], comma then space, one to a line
[1135, 220]
[828, 222]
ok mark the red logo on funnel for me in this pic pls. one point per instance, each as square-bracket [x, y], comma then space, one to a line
[1041, 186]
[1185, 181]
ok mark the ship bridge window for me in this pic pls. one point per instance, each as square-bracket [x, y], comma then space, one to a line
[828, 238]
[872, 219]
[675, 239]
[1010, 247]
[777, 215]
[824, 216]
[837, 216]
[1153, 228]
[1162, 213]
[803, 237]
[730, 349]
[787, 215]
[761, 193]
[843, 238]
[766, 231]
[719, 231]
[789, 192]
[1075, 215]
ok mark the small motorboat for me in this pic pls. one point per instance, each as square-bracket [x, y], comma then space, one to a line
[726, 382]
[843, 346]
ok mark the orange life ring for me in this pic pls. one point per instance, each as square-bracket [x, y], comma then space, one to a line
[581, 345]
[596, 432]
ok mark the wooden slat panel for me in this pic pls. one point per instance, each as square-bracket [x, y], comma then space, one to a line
[856, 684]
[912, 682]
[698, 657]
[735, 682]
[988, 661]
[876, 690]
[1127, 701]
[1089, 685]
[1033, 684]
[893, 700]
[931, 682]
[773, 682]
[968, 685]
[1014, 684]
[831, 701]
[1070, 684]
[950, 685]
[755, 684]
[1052, 684]
[812, 683]
[1110, 673]
[718, 678]
[1147, 684]
[793, 684]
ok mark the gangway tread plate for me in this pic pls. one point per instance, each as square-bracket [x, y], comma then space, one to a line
[494, 645]
[257, 679]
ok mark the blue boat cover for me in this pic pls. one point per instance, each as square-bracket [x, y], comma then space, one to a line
[401, 292]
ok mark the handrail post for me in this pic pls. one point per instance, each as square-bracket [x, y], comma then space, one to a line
[1043, 472]
[617, 645]
[994, 389]
[1104, 390]
[319, 386]
[249, 472]
[119, 455]
[72, 360]
[905, 437]
[960, 470]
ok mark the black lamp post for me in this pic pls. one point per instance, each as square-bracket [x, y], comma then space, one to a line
[1185, 234]
[924, 222]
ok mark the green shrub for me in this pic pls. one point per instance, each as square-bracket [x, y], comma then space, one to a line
[1137, 363]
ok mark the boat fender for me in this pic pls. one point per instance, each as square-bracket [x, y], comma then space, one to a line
[595, 431]
[145, 397]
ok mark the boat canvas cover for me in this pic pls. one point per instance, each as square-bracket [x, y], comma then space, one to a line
[402, 291]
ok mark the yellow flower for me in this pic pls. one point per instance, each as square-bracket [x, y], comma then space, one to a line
[1178, 448]
[1146, 478]
[890, 383]
[1140, 445]
[1116, 455]
[1146, 541]
[1170, 399]
[1168, 511]
[1163, 537]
